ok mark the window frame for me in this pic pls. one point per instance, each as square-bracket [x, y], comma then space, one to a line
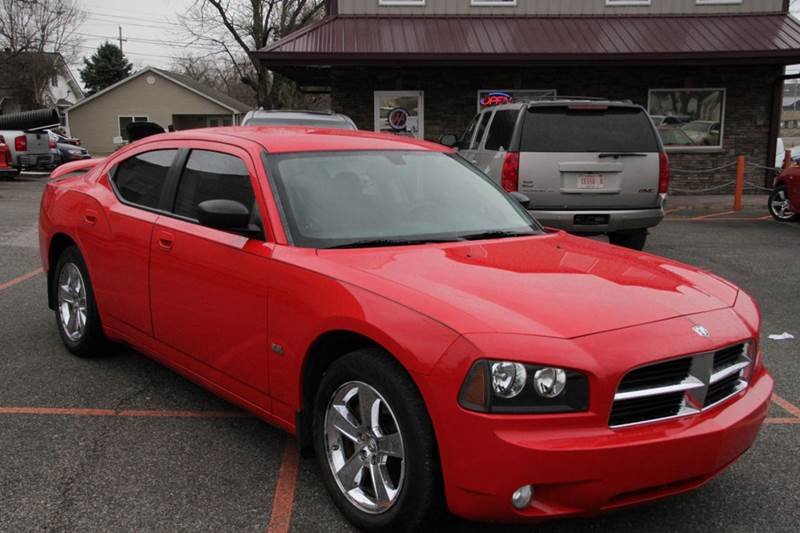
[493, 3]
[717, 2]
[489, 112]
[624, 3]
[133, 119]
[723, 108]
[401, 3]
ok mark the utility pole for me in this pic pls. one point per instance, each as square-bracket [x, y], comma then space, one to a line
[121, 40]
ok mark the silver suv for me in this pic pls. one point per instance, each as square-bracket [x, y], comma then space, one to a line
[321, 119]
[588, 166]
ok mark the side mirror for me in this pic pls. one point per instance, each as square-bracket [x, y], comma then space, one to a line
[223, 214]
[449, 140]
[522, 199]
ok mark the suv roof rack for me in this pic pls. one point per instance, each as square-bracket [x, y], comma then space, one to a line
[554, 98]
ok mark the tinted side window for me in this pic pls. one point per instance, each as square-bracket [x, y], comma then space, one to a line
[481, 129]
[141, 178]
[502, 129]
[613, 129]
[212, 176]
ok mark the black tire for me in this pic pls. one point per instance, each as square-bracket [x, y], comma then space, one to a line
[634, 239]
[93, 341]
[418, 501]
[778, 196]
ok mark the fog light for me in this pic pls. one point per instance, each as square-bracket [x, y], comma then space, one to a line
[522, 497]
[550, 382]
[508, 379]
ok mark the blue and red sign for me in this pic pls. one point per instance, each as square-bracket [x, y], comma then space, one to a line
[496, 98]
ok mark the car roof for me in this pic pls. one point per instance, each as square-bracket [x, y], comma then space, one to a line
[286, 139]
[309, 115]
[561, 102]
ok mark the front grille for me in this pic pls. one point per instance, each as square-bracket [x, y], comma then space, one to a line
[680, 387]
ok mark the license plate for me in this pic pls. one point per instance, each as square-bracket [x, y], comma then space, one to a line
[591, 181]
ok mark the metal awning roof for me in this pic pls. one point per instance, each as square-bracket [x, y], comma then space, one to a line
[421, 40]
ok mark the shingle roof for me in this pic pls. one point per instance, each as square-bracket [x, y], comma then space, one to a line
[212, 93]
[451, 39]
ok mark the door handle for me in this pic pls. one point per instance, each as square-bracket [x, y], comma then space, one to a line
[165, 241]
[90, 217]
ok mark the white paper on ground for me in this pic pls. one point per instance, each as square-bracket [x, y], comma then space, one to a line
[782, 337]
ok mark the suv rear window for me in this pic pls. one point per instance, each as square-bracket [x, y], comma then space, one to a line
[612, 129]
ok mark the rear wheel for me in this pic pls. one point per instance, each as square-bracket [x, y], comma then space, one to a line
[374, 443]
[779, 206]
[634, 239]
[76, 311]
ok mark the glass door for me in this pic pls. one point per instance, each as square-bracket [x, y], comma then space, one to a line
[400, 112]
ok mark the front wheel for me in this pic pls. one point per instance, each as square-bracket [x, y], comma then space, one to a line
[779, 206]
[634, 239]
[374, 443]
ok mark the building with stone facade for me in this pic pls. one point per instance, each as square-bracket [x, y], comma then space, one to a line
[710, 72]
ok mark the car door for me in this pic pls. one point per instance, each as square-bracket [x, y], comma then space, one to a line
[138, 184]
[477, 139]
[208, 287]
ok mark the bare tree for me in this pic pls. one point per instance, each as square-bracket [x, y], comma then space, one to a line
[239, 27]
[218, 73]
[34, 37]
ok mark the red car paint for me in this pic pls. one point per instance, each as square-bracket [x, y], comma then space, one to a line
[791, 178]
[5, 160]
[211, 304]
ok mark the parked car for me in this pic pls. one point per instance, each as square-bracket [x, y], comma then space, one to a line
[6, 170]
[666, 120]
[29, 149]
[703, 132]
[784, 200]
[409, 321]
[588, 166]
[67, 151]
[672, 136]
[322, 119]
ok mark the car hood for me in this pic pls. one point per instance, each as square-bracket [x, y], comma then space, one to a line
[552, 285]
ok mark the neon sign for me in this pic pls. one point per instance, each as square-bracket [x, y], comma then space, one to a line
[496, 98]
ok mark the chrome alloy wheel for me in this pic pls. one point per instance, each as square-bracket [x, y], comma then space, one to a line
[364, 447]
[779, 204]
[72, 309]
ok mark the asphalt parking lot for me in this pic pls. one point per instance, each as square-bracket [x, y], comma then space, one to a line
[120, 443]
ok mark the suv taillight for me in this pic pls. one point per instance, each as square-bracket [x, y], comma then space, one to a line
[663, 173]
[21, 143]
[509, 178]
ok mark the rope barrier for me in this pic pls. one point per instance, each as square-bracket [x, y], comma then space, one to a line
[703, 171]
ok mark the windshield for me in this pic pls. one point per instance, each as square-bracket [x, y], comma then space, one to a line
[334, 124]
[380, 198]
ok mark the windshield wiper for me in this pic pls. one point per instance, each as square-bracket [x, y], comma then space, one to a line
[377, 243]
[495, 235]
[621, 154]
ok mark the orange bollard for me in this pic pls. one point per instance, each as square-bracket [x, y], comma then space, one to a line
[787, 159]
[737, 199]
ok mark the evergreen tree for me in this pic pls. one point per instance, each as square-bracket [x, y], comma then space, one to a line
[106, 67]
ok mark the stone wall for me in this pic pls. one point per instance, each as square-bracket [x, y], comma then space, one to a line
[451, 101]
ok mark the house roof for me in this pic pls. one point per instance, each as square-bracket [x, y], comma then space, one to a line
[217, 97]
[502, 39]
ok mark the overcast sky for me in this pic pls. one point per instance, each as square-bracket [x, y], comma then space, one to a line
[154, 37]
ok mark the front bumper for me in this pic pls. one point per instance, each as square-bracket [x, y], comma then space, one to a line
[576, 464]
[618, 219]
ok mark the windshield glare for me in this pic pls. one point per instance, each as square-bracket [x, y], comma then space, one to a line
[330, 199]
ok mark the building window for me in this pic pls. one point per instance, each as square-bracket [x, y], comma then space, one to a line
[627, 2]
[400, 112]
[689, 118]
[125, 120]
[401, 2]
[493, 97]
[493, 3]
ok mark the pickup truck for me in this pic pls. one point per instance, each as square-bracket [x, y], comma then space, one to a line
[29, 149]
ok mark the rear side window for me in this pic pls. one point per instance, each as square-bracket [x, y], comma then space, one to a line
[502, 129]
[615, 129]
[467, 137]
[481, 129]
[212, 176]
[141, 178]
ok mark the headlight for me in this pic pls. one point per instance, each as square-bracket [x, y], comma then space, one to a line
[510, 387]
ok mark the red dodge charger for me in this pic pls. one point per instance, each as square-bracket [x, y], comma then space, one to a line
[408, 321]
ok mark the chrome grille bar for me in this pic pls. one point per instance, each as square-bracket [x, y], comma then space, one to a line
[712, 378]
